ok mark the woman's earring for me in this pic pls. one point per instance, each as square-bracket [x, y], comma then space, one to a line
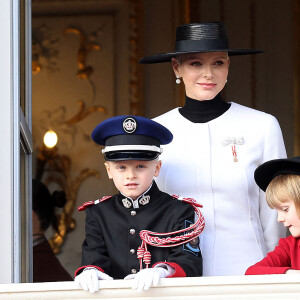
[226, 81]
[178, 79]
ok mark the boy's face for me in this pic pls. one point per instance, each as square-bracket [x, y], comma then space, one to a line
[287, 214]
[132, 177]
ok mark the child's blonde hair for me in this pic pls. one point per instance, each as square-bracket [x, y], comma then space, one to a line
[282, 188]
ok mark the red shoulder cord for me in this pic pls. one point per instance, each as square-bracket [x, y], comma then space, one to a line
[151, 238]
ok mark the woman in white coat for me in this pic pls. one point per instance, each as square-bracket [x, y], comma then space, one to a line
[215, 150]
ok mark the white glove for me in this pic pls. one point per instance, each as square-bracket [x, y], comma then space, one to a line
[88, 279]
[147, 277]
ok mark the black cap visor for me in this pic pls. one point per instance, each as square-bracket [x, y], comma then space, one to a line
[130, 155]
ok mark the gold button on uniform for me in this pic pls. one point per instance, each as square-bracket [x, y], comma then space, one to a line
[132, 251]
[133, 213]
[132, 231]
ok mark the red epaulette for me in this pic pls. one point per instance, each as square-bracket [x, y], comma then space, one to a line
[188, 200]
[90, 203]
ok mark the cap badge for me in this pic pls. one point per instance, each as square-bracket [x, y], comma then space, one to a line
[126, 203]
[144, 200]
[129, 125]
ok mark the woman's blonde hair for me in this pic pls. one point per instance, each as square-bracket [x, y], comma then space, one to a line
[282, 188]
[180, 57]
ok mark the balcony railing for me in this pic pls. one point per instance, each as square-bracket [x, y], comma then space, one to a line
[221, 287]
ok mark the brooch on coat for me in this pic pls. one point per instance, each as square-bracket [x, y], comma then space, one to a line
[233, 142]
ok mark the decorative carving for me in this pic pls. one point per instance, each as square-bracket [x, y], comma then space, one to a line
[44, 50]
[84, 113]
[58, 168]
[84, 49]
[66, 129]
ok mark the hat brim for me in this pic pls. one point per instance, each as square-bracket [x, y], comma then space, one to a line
[166, 57]
[266, 172]
[131, 155]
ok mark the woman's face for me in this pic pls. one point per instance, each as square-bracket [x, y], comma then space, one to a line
[204, 74]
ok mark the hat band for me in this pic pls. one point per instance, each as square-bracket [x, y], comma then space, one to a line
[131, 139]
[132, 148]
[201, 45]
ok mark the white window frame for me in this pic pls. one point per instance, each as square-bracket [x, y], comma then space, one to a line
[12, 126]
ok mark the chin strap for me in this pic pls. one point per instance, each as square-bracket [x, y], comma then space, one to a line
[151, 238]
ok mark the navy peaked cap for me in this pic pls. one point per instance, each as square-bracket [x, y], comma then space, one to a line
[131, 137]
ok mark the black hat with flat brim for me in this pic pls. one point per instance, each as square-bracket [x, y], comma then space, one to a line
[197, 38]
[267, 171]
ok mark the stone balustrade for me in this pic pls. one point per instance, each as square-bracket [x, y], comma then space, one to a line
[214, 288]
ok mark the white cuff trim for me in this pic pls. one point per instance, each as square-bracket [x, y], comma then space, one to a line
[169, 269]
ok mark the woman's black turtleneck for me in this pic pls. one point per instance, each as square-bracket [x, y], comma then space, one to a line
[203, 111]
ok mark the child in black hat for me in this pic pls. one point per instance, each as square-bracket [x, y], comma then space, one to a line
[280, 178]
[118, 239]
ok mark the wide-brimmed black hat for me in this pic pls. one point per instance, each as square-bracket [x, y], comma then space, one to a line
[267, 171]
[199, 37]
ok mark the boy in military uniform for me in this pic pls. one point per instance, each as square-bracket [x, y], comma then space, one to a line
[112, 246]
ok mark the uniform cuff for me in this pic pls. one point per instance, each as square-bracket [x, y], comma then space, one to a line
[170, 270]
[177, 269]
[79, 270]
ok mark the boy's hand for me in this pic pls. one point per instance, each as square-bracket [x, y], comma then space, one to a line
[147, 277]
[88, 279]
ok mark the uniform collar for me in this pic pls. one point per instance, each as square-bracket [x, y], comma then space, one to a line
[142, 200]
